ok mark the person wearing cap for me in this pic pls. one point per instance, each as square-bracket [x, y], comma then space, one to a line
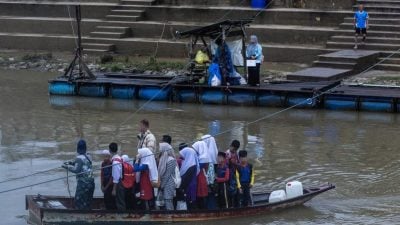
[82, 167]
[106, 181]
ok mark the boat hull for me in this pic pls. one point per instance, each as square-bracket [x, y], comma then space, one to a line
[55, 216]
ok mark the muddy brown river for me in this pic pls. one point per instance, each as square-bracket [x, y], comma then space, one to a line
[358, 152]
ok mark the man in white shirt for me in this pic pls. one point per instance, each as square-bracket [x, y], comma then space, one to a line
[118, 190]
[146, 138]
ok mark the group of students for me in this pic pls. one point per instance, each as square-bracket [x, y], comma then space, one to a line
[199, 177]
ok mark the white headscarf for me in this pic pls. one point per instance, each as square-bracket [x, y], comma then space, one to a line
[212, 148]
[189, 159]
[147, 158]
[202, 150]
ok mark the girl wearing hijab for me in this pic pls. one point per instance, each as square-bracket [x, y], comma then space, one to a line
[254, 52]
[146, 165]
[211, 148]
[82, 167]
[166, 170]
[189, 170]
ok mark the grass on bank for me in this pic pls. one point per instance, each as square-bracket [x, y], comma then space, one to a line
[119, 63]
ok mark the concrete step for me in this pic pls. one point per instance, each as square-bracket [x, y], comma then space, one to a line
[390, 60]
[392, 67]
[127, 12]
[98, 46]
[367, 46]
[384, 21]
[371, 33]
[383, 40]
[115, 29]
[393, 8]
[382, 15]
[375, 27]
[319, 74]
[122, 18]
[391, 54]
[336, 59]
[377, 2]
[112, 35]
[95, 51]
[138, 2]
[334, 64]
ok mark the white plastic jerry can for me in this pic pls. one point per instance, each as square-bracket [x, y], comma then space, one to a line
[294, 189]
[277, 196]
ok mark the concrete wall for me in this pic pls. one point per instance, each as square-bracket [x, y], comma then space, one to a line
[309, 4]
[270, 16]
[317, 4]
[54, 10]
[206, 2]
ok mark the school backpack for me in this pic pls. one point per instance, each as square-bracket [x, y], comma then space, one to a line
[177, 178]
[128, 175]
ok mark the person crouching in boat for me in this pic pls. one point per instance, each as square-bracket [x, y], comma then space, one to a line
[106, 181]
[222, 180]
[202, 186]
[82, 167]
[245, 178]
[146, 164]
[166, 170]
[189, 170]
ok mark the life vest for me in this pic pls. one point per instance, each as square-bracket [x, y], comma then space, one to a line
[128, 175]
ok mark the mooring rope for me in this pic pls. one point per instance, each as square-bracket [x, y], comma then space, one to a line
[72, 26]
[159, 40]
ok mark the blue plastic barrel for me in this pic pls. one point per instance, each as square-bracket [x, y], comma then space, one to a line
[258, 4]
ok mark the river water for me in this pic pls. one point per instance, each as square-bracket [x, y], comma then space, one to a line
[358, 152]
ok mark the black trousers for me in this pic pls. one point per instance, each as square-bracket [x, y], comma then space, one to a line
[245, 197]
[254, 75]
[120, 197]
[109, 200]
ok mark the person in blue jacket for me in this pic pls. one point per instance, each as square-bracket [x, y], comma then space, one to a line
[254, 52]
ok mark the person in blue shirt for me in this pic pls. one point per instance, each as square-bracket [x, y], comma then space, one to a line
[360, 24]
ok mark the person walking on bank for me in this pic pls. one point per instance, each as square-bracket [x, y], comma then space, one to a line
[82, 167]
[254, 52]
[146, 138]
[360, 24]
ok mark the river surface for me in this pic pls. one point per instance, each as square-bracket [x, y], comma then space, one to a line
[358, 152]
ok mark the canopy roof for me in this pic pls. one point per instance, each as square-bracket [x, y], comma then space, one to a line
[231, 27]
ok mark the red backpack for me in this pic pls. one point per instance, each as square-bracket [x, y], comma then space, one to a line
[128, 175]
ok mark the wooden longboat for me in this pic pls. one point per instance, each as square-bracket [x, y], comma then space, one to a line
[55, 210]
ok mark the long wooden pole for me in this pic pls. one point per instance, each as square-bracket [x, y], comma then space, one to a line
[78, 22]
